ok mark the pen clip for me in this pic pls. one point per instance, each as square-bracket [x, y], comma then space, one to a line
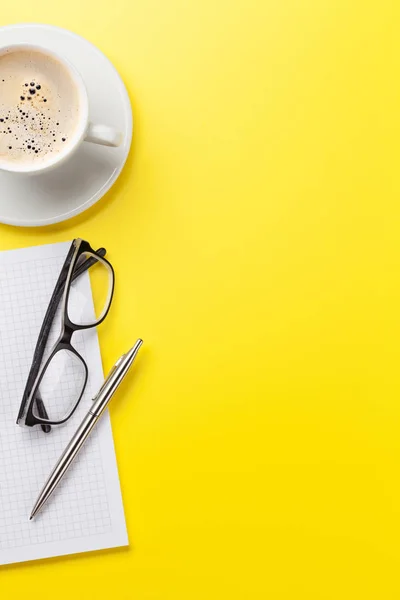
[114, 368]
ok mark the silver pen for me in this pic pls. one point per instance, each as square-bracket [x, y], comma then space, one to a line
[100, 401]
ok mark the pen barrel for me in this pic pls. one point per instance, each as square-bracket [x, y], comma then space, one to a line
[65, 460]
[81, 435]
[104, 396]
[74, 446]
[100, 402]
[113, 380]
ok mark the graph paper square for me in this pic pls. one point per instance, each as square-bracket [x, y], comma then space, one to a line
[86, 511]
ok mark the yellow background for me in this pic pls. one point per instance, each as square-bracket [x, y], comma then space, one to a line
[255, 233]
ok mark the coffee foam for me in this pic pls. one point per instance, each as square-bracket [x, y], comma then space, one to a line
[39, 106]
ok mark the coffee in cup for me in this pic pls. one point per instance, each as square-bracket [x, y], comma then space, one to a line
[44, 111]
[39, 106]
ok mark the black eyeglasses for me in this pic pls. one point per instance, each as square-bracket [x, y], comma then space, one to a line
[54, 389]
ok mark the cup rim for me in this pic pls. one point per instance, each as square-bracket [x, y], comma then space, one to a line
[80, 132]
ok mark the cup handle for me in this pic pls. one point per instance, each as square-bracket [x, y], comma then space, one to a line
[104, 135]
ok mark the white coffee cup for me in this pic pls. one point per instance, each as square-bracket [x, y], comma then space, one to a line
[85, 130]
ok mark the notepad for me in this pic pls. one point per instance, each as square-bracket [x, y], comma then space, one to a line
[86, 511]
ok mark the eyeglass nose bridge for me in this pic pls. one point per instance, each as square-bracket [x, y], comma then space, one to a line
[66, 335]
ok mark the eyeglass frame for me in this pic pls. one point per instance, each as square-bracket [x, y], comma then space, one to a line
[64, 341]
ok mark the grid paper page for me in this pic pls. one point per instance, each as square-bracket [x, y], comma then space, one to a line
[86, 512]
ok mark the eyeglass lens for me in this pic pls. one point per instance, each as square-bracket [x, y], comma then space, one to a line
[79, 308]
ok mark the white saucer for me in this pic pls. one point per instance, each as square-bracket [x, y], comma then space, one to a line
[81, 182]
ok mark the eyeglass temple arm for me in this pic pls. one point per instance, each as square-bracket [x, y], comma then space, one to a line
[44, 333]
[42, 412]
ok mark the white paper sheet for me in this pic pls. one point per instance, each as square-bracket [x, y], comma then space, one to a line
[86, 511]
